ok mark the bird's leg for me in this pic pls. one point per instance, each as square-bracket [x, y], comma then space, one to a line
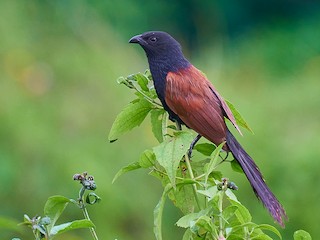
[178, 125]
[193, 143]
[224, 158]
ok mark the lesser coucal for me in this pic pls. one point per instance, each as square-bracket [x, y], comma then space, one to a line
[190, 99]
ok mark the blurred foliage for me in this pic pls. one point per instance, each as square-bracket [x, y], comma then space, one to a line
[59, 61]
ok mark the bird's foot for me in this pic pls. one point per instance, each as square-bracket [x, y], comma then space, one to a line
[193, 143]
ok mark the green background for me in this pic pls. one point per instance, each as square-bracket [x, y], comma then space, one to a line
[59, 61]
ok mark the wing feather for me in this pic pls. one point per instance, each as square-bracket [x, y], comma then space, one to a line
[194, 99]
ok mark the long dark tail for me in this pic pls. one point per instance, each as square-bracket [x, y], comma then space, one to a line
[256, 180]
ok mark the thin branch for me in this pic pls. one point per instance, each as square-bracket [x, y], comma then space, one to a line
[194, 186]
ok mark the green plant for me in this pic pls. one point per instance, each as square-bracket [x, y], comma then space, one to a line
[211, 209]
[46, 228]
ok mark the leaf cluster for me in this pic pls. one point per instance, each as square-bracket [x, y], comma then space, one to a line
[195, 186]
[46, 227]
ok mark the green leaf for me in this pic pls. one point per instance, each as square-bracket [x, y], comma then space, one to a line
[183, 199]
[65, 227]
[92, 198]
[205, 148]
[301, 235]
[187, 220]
[170, 153]
[130, 167]
[147, 159]
[157, 116]
[231, 195]
[242, 229]
[131, 116]
[205, 222]
[188, 235]
[147, 73]
[210, 192]
[158, 211]
[183, 195]
[216, 175]
[269, 228]
[142, 81]
[213, 162]
[239, 119]
[229, 212]
[236, 166]
[125, 81]
[54, 207]
[242, 213]
[262, 236]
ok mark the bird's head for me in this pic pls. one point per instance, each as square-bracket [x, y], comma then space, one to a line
[158, 44]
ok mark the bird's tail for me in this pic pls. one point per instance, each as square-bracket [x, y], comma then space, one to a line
[256, 180]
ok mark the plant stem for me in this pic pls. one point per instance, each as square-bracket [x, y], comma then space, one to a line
[92, 230]
[85, 212]
[220, 205]
[147, 97]
[194, 186]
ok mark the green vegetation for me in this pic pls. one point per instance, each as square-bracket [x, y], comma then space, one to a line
[211, 210]
[45, 227]
[59, 97]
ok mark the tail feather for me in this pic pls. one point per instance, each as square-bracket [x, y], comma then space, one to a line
[256, 180]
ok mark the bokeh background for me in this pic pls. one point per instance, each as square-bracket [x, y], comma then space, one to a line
[59, 61]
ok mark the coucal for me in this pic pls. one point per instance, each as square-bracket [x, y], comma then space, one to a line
[191, 99]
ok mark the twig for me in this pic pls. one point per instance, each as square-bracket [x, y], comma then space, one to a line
[194, 186]
[87, 184]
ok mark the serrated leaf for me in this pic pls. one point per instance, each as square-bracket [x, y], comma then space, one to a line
[147, 159]
[269, 228]
[213, 161]
[157, 116]
[54, 207]
[184, 199]
[65, 227]
[170, 153]
[131, 116]
[236, 166]
[205, 148]
[183, 196]
[130, 167]
[239, 119]
[301, 235]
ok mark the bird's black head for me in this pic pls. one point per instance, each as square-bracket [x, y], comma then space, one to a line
[160, 47]
[164, 56]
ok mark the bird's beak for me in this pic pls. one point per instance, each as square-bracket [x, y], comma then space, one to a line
[135, 39]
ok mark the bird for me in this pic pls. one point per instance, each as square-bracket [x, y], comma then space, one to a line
[191, 100]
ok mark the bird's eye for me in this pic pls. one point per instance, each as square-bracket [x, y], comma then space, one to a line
[153, 39]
